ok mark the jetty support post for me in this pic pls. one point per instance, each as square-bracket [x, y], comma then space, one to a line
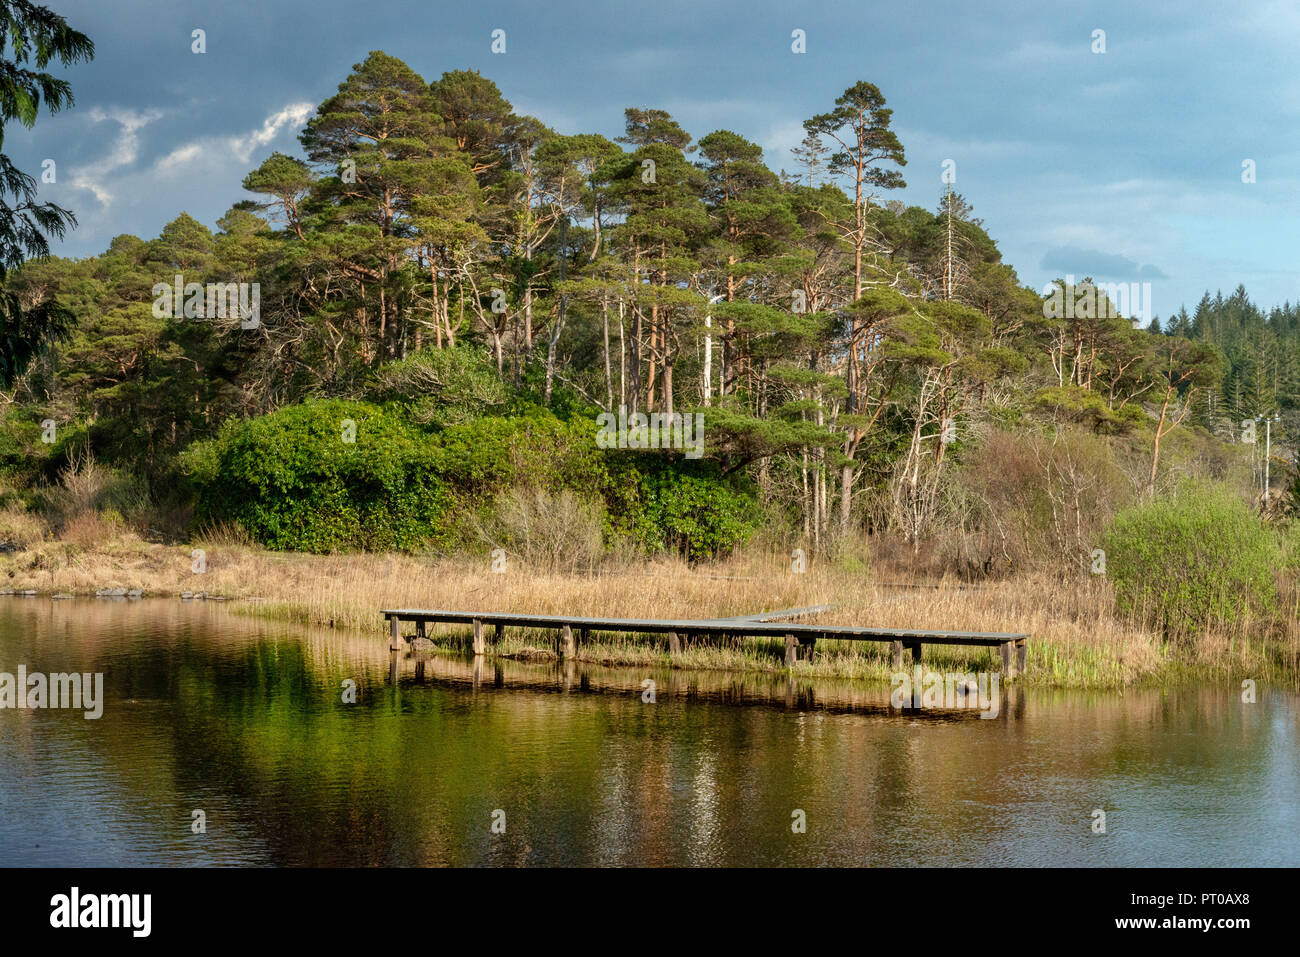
[674, 644]
[790, 653]
[498, 633]
[1022, 654]
[915, 648]
[566, 648]
[479, 647]
[394, 634]
[1008, 661]
[897, 648]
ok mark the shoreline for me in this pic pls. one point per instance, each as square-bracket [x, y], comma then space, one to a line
[1076, 640]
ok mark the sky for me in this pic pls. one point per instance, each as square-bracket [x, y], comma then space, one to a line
[1127, 165]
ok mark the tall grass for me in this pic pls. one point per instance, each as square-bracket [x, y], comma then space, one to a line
[1078, 640]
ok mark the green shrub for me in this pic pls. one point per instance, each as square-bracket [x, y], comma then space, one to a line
[532, 450]
[1191, 561]
[663, 503]
[25, 455]
[441, 386]
[291, 480]
[680, 506]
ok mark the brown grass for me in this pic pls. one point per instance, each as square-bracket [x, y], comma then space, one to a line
[90, 529]
[1077, 640]
[20, 527]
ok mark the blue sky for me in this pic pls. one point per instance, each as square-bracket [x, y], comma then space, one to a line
[1126, 165]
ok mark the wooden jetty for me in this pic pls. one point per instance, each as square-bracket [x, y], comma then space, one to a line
[572, 629]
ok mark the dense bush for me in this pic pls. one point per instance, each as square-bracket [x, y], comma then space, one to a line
[665, 503]
[441, 386]
[20, 443]
[534, 450]
[292, 481]
[1193, 560]
[679, 506]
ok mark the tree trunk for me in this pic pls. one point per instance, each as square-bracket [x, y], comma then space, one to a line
[609, 377]
[708, 358]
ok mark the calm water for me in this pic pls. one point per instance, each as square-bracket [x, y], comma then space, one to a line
[245, 720]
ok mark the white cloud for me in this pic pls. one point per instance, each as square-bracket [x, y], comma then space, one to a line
[179, 157]
[133, 183]
[292, 116]
[125, 149]
[105, 177]
[241, 146]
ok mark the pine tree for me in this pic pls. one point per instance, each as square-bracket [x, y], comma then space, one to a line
[860, 125]
[30, 34]
[811, 155]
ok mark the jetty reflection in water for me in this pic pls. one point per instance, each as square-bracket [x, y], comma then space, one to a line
[427, 667]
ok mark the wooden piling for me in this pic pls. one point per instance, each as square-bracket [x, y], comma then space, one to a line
[1022, 655]
[420, 629]
[674, 645]
[897, 648]
[478, 637]
[916, 651]
[394, 635]
[498, 633]
[566, 646]
[790, 653]
[1008, 665]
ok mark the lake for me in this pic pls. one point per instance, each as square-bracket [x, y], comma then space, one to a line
[442, 761]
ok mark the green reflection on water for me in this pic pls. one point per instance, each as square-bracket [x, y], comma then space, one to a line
[246, 721]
